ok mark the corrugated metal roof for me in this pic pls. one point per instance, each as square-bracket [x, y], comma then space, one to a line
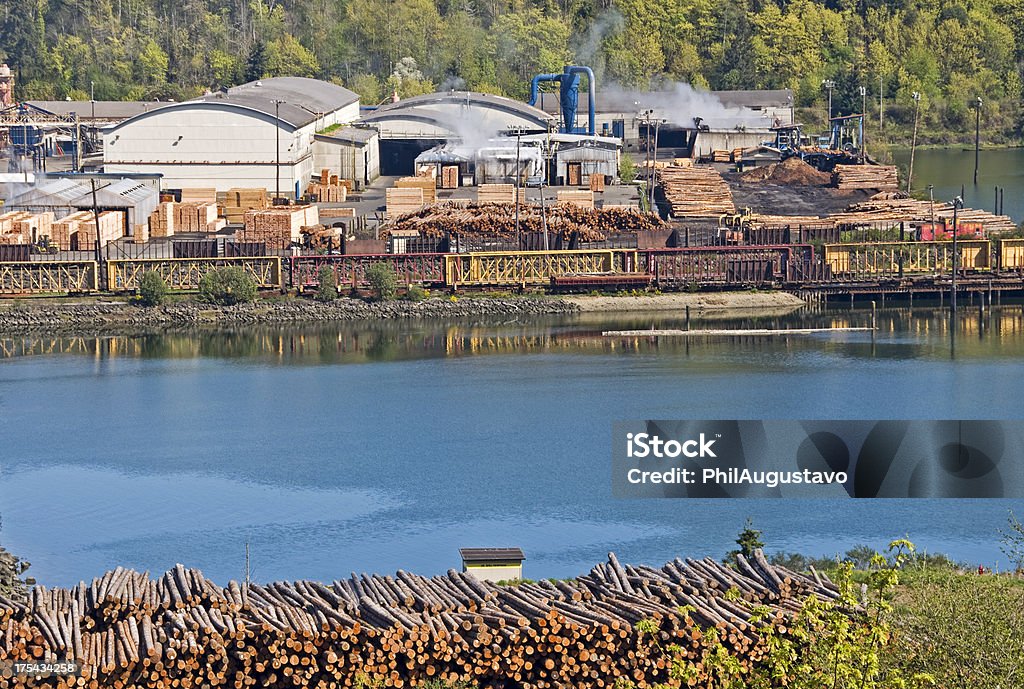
[102, 109]
[59, 192]
[491, 554]
[349, 134]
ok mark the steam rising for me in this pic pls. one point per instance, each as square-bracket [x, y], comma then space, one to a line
[680, 104]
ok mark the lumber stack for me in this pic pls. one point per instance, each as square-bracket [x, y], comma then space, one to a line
[278, 227]
[239, 200]
[880, 177]
[697, 191]
[161, 220]
[196, 217]
[499, 193]
[596, 183]
[337, 212]
[402, 201]
[109, 228]
[329, 193]
[720, 156]
[573, 197]
[140, 234]
[203, 195]
[497, 222]
[24, 227]
[64, 230]
[183, 630]
[424, 182]
[449, 176]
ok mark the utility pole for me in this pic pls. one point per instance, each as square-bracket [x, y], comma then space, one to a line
[277, 164]
[881, 110]
[977, 136]
[931, 198]
[657, 126]
[863, 119]
[829, 84]
[958, 203]
[519, 236]
[913, 142]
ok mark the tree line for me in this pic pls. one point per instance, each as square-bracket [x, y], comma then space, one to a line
[948, 51]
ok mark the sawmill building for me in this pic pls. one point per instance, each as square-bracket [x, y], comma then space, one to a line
[260, 134]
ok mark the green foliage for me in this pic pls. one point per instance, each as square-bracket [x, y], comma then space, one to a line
[415, 293]
[627, 168]
[1013, 541]
[327, 285]
[383, 281]
[152, 289]
[748, 540]
[227, 286]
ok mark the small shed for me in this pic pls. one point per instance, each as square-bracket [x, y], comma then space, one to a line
[493, 564]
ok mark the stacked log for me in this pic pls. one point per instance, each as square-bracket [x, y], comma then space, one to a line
[239, 200]
[402, 201]
[322, 238]
[572, 197]
[183, 630]
[424, 182]
[278, 227]
[497, 222]
[880, 177]
[884, 209]
[697, 191]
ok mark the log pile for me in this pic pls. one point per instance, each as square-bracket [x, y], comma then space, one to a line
[572, 197]
[883, 209]
[182, 630]
[322, 238]
[424, 182]
[880, 177]
[278, 227]
[497, 222]
[697, 191]
[239, 200]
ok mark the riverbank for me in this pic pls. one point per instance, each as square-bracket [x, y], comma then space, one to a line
[100, 315]
[698, 302]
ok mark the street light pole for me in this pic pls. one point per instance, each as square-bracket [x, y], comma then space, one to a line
[977, 136]
[913, 142]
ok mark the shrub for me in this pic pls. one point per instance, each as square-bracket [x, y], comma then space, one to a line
[415, 293]
[383, 281]
[152, 289]
[328, 285]
[627, 169]
[227, 286]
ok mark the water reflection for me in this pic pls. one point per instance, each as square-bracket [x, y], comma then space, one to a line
[902, 332]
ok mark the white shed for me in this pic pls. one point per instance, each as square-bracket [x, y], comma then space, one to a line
[259, 134]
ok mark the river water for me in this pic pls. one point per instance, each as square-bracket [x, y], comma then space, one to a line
[951, 171]
[374, 447]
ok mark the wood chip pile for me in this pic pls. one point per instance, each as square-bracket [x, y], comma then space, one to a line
[278, 227]
[183, 630]
[697, 191]
[498, 221]
[880, 177]
[792, 171]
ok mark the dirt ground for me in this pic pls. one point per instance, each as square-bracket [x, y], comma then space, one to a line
[775, 199]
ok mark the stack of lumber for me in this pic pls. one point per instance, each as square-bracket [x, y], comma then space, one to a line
[697, 191]
[423, 182]
[204, 195]
[894, 210]
[402, 201]
[337, 212]
[450, 177]
[183, 630]
[196, 217]
[881, 177]
[329, 193]
[583, 199]
[499, 193]
[161, 220]
[111, 227]
[720, 156]
[140, 234]
[64, 230]
[596, 183]
[498, 222]
[682, 162]
[20, 227]
[238, 201]
[736, 155]
[278, 227]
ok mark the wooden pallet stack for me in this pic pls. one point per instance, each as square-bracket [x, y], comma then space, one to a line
[697, 191]
[110, 227]
[161, 220]
[573, 197]
[403, 201]
[183, 630]
[199, 195]
[278, 227]
[239, 200]
[499, 193]
[880, 177]
[423, 182]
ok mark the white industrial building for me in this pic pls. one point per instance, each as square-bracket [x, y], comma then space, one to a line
[260, 134]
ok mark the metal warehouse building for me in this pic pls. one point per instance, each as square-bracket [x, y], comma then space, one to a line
[259, 134]
[135, 198]
[414, 125]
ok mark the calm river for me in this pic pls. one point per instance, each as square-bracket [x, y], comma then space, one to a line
[373, 447]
